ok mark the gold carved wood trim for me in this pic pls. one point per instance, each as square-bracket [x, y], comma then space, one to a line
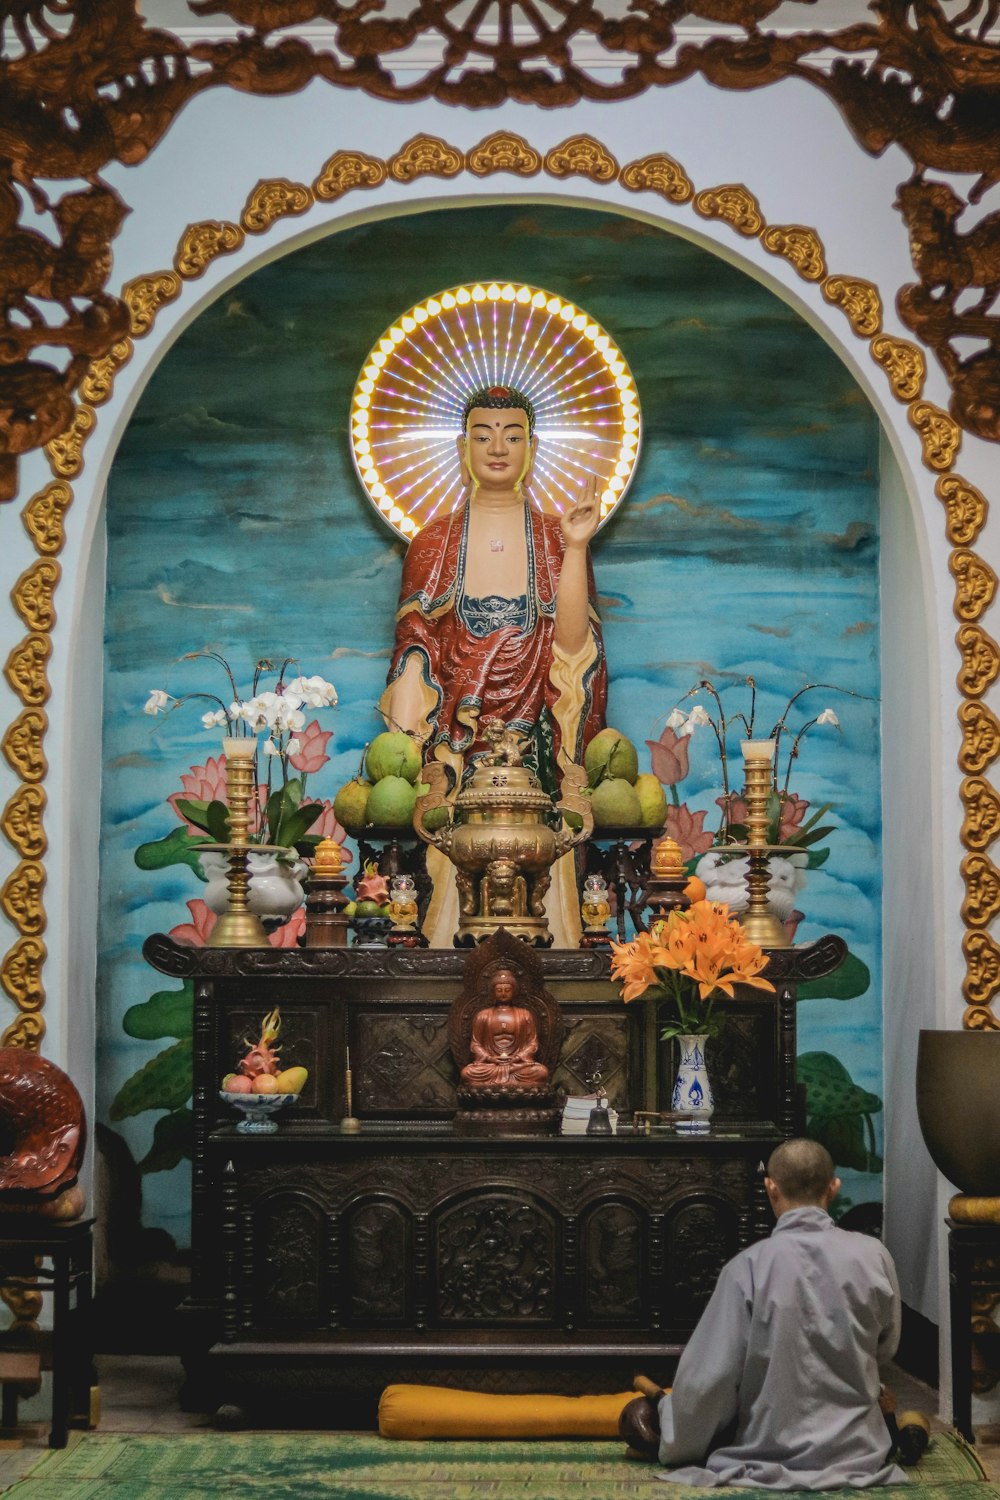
[424, 156]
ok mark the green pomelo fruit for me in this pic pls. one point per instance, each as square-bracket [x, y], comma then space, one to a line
[367, 909]
[393, 753]
[435, 818]
[391, 802]
[351, 803]
[615, 804]
[351, 909]
[610, 754]
[652, 800]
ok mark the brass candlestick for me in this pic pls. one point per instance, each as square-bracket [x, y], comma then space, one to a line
[238, 926]
[759, 923]
[349, 1125]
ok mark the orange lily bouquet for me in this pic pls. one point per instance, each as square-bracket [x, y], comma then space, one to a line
[691, 957]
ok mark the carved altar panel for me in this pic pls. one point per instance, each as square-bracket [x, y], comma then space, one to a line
[613, 1240]
[288, 1256]
[497, 1256]
[595, 1043]
[403, 1065]
[701, 1235]
[377, 1262]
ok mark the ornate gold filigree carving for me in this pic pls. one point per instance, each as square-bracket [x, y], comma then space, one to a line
[800, 246]
[858, 300]
[274, 200]
[503, 151]
[982, 813]
[21, 897]
[980, 738]
[32, 595]
[22, 744]
[21, 973]
[26, 1031]
[902, 362]
[982, 890]
[975, 583]
[202, 243]
[347, 170]
[43, 517]
[26, 670]
[979, 1018]
[658, 173]
[982, 957]
[66, 450]
[582, 156]
[145, 295]
[99, 381]
[734, 204]
[425, 156]
[980, 660]
[22, 822]
[940, 436]
[967, 509]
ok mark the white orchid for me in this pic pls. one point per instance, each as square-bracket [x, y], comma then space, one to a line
[214, 720]
[157, 702]
[315, 692]
[270, 748]
[828, 717]
[676, 718]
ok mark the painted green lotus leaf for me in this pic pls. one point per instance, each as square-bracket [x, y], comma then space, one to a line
[167, 1013]
[162, 1083]
[180, 847]
[847, 982]
[173, 1138]
[839, 1112]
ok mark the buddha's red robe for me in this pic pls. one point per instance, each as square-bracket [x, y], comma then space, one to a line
[505, 672]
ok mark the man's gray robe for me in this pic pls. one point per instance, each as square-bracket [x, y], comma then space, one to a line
[779, 1383]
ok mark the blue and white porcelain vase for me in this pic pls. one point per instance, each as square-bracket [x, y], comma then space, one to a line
[692, 1097]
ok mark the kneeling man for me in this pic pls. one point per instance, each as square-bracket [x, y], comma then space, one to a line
[779, 1384]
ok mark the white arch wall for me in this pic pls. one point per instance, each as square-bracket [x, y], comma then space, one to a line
[789, 147]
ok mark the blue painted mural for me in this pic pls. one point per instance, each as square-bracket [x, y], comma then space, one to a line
[747, 545]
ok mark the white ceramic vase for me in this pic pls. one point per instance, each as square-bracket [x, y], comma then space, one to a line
[692, 1097]
[275, 889]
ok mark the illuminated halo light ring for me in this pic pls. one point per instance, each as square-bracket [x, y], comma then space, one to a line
[406, 411]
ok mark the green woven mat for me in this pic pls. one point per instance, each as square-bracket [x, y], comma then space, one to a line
[349, 1466]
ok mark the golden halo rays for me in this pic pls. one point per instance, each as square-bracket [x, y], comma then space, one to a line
[406, 411]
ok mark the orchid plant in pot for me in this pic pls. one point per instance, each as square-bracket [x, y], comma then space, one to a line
[688, 959]
[270, 726]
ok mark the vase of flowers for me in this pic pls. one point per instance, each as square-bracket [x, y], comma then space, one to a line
[269, 729]
[689, 959]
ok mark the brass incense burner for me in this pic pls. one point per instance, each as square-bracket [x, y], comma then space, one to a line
[503, 838]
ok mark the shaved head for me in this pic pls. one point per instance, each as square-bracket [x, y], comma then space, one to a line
[801, 1170]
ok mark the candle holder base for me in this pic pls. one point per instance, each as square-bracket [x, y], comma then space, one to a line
[350, 1125]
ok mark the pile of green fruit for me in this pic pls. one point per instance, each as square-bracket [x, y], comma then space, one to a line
[620, 796]
[385, 795]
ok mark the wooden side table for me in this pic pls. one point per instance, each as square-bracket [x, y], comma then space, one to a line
[973, 1274]
[43, 1255]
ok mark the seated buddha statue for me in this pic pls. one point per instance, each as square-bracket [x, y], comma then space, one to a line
[504, 1042]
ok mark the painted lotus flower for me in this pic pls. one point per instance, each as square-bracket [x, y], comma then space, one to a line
[688, 829]
[668, 756]
[310, 754]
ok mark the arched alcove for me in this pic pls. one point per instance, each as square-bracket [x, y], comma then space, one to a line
[697, 512]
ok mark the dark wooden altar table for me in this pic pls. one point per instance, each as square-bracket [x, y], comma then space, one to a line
[327, 1265]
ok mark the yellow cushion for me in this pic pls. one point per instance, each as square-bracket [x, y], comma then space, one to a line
[435, 1411]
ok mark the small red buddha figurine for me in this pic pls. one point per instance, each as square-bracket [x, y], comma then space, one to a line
[504, 1042]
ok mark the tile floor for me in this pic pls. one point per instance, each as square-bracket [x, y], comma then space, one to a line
[139, 1394]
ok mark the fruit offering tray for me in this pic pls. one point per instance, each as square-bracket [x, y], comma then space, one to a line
[257, 1110]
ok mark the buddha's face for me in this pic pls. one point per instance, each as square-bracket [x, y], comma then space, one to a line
[496, 450]
[503, 988]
